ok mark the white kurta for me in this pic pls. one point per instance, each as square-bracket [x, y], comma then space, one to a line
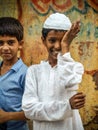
[47, 93]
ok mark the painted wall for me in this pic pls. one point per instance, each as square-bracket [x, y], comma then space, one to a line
[84, 48]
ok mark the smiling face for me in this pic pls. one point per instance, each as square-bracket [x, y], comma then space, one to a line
[53, 44]
[9, 47]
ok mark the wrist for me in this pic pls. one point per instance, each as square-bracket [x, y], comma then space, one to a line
[65, 49]
[10, 115]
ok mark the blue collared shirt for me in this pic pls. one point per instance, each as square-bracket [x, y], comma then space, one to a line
[11, 90]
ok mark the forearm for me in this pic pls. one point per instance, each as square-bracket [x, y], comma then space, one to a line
[65, 49]
[49, 111]
[17, 116]
[69, 72]
[7, 116]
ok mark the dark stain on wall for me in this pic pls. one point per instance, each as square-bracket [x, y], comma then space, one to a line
[19, 10]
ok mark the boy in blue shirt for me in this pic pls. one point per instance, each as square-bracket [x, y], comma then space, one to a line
[12, 75]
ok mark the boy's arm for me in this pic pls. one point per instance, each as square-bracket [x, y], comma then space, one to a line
[70, 72]
[7, 116]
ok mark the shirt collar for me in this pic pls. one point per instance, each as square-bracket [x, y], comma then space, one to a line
[16, 66]
[47, 63]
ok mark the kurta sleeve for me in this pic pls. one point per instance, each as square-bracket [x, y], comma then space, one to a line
[69, 72]
[35, 109]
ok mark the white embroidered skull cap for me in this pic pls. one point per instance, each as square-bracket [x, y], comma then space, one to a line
[57, 21]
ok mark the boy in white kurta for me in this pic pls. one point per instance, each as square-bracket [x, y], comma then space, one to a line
[50, 98]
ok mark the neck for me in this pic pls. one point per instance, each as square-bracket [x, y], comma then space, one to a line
[9, 62]
[52, 61]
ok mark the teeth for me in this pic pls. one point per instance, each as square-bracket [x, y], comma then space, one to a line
[56, 52]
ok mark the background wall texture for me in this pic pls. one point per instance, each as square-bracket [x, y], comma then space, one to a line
[84, 48]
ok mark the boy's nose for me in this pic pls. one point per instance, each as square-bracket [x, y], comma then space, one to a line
[5, 46]
[57, 44]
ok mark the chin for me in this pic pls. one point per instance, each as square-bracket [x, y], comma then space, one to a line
[54, 57]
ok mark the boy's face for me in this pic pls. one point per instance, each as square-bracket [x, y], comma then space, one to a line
[53, 43]
[9, 47]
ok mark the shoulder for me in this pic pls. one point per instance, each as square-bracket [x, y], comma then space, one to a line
[34, 67]
[37, 68]
[23, 66]
[20, 67]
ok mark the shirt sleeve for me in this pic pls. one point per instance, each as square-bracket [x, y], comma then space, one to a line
[35, 109]
[69, 71]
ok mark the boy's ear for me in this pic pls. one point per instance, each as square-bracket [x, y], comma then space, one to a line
[43, 40]
[21, 44]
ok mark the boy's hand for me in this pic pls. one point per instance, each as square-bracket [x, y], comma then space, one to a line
[69, 36]
[77, 101]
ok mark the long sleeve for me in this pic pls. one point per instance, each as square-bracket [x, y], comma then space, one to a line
[35, 109]
[69, 71]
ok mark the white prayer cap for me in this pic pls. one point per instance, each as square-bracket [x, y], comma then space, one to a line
[57, 21]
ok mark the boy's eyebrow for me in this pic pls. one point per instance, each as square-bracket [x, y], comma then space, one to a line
[11, 40]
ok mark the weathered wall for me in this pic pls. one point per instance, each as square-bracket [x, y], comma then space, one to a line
[84, 48]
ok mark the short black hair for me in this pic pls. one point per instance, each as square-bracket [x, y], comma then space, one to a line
[46, 31]
[11, 26]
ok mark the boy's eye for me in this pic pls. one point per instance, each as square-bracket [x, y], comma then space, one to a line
[52, 40]
[11, 42]
[1, 43]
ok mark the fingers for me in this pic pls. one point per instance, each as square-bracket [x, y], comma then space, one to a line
[79, 95]
[72, 33]
[79, 106]
[75, 29]
[77, 101]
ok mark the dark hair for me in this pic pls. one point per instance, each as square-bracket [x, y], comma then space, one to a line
[46, 31]
[12, 27]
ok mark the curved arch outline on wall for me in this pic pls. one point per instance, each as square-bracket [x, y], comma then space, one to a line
[66, 7]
